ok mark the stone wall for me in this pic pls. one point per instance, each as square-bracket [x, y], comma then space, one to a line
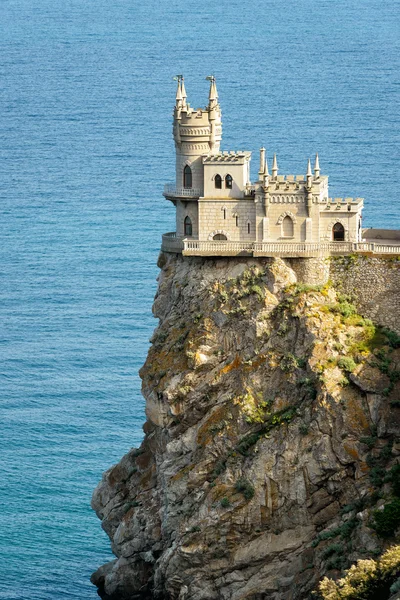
[211, 219]
[375, 284]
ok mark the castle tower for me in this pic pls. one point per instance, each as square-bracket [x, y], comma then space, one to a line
[197, 132]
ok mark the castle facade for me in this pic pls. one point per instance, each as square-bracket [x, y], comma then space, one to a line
[215, 199]
[219, 211]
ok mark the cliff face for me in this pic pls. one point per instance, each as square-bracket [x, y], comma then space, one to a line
[272, 416]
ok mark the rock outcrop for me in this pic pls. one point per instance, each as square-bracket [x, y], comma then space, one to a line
[270, 441]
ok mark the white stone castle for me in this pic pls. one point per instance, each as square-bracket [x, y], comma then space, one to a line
[220, 212]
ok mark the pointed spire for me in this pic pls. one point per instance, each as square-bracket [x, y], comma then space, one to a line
[316, 167]
[309, 176]
[213, 95]
[183, 92]
[262, 162]
[274, 168]
[266, 172]
[179, 93]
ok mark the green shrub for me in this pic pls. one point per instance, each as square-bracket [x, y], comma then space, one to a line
[288, 363]
[395, 587]
[225, 503]
[247, 442]
[386, 521]
[258, 291]
[331, 550]
[393, 337]
[369, 441]
[394, 478]
[335, 563]
[367, 580]
[347, 364]
[303, 429]
[344, 308]
[219, 468]
[244, 487]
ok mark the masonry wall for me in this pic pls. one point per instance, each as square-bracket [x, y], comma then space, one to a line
[373, 282]
[211, 219]
[183, 210]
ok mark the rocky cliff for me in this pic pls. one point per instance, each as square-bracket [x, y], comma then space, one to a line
[270, 450]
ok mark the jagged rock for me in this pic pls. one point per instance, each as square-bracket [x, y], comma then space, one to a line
[253, 441]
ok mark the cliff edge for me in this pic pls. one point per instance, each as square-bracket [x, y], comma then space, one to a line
[271, 441]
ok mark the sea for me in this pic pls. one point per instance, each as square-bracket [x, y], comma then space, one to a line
[86, 145]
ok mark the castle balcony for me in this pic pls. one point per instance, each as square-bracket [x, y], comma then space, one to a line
[172, 192]
[192, 247]
[171, 243]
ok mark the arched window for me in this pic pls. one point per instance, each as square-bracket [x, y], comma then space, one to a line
[224, 213]
[187, 226]
[237, 221]
[287, 227]
[248, 227]
[338, 232]
[187, 177]
[218, 182]
[219, 236]
[228, 182]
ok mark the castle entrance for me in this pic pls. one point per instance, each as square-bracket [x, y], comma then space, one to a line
[338, 232]
[219, 236]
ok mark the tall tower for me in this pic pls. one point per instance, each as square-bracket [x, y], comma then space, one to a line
[197, 132]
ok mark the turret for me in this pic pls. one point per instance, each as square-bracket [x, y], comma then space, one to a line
[196, 133]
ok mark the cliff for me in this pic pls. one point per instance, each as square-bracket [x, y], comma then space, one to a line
[271, 441]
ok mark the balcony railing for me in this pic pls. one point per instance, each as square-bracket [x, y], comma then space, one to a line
[171, 243]
[170, 189]
[191, 247]
[217, 248]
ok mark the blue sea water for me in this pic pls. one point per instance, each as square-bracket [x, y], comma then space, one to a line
[85, 147]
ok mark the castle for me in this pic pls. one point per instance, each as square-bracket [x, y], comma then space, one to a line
[220, 212]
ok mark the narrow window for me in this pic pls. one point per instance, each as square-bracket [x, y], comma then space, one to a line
[218, 182]
[338, 232]
[237, 221]
[187, 226]
[287, 227]
[248, 227]
[228, 182]
[224, 213]
[187, 177]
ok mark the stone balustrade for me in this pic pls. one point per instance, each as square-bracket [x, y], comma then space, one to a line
[171, 190]
[191, 247]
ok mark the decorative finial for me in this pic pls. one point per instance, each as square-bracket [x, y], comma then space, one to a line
[309, 174]
[316, 167]
[274, 168]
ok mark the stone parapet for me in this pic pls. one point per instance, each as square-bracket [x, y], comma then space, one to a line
[191, 247]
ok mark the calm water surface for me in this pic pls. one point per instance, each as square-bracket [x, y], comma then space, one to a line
[85, 147]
